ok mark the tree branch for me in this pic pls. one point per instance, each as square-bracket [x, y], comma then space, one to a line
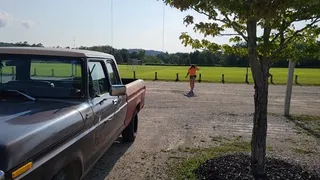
[206, 14]
[229, 34]
[225, 22]
[287, 24]
[236, 28]
[284, 42]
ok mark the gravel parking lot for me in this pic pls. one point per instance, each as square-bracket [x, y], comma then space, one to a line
[171, 120]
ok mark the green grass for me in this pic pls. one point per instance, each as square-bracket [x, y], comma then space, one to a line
[168, 73]
[45, 69]
[311, 124]
[213, 74]
[304, 151]
[186, 168]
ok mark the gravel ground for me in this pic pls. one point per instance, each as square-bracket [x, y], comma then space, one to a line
[171, 121]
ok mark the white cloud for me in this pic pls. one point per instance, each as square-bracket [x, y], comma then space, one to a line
[28, 24]
[3, 19]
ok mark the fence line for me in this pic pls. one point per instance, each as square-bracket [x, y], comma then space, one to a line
[156, 74]
[223, 78]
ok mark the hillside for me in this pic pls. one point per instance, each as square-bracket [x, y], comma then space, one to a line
[148, 52]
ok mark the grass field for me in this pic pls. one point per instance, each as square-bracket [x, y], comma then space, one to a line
[168, 73]
[213, 74]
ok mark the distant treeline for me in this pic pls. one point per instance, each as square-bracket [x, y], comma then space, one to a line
[202, 58]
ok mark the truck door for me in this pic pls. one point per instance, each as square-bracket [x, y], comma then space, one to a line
[121, 105]
[102, 105]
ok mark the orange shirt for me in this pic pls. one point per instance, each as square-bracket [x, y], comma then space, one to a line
[193, 71]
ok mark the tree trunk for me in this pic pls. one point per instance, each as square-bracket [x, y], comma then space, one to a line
[259, 132]
[260, 71]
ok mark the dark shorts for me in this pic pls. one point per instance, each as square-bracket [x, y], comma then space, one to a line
[193, 77]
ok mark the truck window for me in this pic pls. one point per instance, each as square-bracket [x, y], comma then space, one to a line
[112, 72]
[98, 83]
[42, 76]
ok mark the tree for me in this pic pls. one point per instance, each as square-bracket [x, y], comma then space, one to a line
[134, 55]
[118, 57]
[151, 60]
[125, 55]
[277, 20]
[141, 54]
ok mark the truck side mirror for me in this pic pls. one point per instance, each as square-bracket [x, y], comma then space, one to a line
[118, 90]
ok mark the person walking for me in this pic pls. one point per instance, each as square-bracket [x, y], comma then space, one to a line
[192, 73]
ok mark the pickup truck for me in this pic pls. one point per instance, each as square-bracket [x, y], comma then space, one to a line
[60, 110]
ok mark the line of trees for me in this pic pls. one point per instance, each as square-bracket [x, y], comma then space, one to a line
[202, 58]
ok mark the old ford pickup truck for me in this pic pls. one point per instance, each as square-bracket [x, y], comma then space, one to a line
[60, 110]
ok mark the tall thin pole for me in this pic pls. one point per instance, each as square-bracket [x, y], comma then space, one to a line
[289, 88]
[74, 42]
[112, 26]
[163, 15]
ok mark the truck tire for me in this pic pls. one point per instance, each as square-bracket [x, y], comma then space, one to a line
[130, 132]
[66, 174]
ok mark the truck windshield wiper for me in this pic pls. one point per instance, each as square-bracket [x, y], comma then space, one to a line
[21, 93]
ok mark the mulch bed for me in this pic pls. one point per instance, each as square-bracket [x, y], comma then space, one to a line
[237, 167]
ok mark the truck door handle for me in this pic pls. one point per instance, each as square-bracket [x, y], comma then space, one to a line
[102, 101]
[115, 101]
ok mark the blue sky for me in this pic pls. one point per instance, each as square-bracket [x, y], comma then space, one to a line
[136, 23]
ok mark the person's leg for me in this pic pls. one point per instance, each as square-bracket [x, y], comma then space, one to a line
[192, 84]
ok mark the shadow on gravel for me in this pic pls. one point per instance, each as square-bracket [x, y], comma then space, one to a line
[107, 161]
[304, 123]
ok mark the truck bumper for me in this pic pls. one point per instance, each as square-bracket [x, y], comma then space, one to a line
[1, 175]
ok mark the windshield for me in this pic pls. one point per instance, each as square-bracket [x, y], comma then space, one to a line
[42, 76]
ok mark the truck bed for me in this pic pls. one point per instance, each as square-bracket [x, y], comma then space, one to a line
[126, 81]
[136, 90]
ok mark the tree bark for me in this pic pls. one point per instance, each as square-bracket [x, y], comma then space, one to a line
[260, 71]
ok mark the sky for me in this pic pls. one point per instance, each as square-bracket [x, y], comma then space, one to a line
[136, 24]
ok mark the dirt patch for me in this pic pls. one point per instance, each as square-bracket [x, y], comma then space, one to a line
[237, 167]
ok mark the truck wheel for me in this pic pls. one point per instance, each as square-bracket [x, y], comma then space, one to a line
[130, 132]
[66, 174]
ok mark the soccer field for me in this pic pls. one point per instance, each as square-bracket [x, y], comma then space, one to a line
[168, 73]
[214, 74]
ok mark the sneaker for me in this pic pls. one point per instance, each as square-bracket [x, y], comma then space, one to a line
[190, 94]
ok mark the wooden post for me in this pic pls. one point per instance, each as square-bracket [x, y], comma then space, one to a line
[134, 74]
[296, 79]
[35, 72]
[222, 78]
[177, 77]
[52, 72]
[155, 76]
[271, 79]
[247, 81]
[72, 70]
[200, 78]
[289, 88]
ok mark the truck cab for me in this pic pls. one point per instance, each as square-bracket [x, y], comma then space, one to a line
[60, 110]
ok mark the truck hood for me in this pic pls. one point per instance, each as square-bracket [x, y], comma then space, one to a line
[27, 128]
